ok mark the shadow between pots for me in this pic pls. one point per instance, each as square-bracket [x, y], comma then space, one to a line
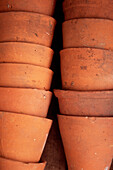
[54, 152]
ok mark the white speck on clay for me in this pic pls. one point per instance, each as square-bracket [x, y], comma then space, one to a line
[95, 153]
[106, 168]
[44, 97]
[34, 140]
[86, 117]
[92, 119]
[103, 44]
[47, 33]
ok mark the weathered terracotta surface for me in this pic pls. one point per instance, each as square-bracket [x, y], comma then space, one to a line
[88, 9]
[23, 137]
[95, 33]
[26, 101]
[6, 164]
[92, 103]
[26, 53]
[27, 27]
[88, 142]
[41, 6]
[25, 75]
[87, 69]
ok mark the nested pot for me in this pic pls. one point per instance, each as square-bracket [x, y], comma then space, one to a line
[95, 33]
[88, 142]
[87, 69]
[25, 101]
[88, 9]
[6, 164]
[26, 27]
[23, 137]
[41, 6]
[26, 53]
[85, 103]
[25, 76]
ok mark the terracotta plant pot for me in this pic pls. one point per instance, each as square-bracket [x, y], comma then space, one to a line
[88, 9]
[6, 164]
[88, 142]
[87, 69]
[25, 76]
[26, 101]
[23, 137]
[95, 103]
[26, 53]
[44, 6]
[95, 33]
[27, 27]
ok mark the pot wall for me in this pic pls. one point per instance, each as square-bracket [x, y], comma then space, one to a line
[6, 164]
[87, 142]
[95, 33]
[87, 69]
[25, 101]
[88, 9]
[26, 27]
[41, 6]
[25, 53]
[23, 137]
[93, 103]
[25, 76]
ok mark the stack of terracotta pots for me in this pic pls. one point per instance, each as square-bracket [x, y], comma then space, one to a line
[26, 33]
[86, 101]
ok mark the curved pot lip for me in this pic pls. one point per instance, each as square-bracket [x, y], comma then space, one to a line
[32, 13]
[63, 94]
[80, 5]
[23, 163]
[68, 6]
[26, 43]
[84, 48]
[39, 163]
[26, 116]
[28, 65]
[90, 118]
[26, 90]
[87, 19]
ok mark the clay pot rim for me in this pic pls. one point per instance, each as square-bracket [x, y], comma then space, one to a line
[80, 5]
[90, 118]
[83, 48]
[26, 89]
[27, 43]
[32, 13]
[29, 65]
[48, 49]
[62, 94]
[23, 163]
[28, 116]
[67, 6]
[86, 18]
